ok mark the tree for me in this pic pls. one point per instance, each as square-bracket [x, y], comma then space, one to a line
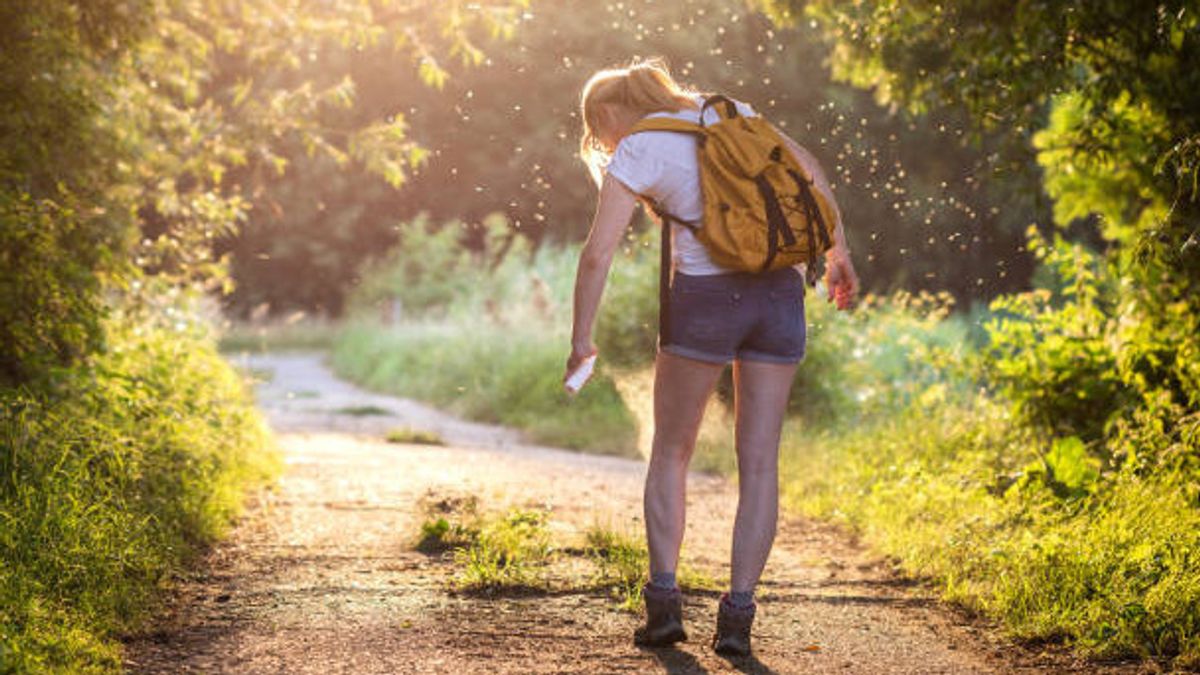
[124, 123]
[1108, 95]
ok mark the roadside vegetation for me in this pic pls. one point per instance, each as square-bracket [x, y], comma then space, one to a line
[293, 333]
[413, 436]
[134, 134]
[110, 481]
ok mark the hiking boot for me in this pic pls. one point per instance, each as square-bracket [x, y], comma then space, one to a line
[733, 628]
[664, 617]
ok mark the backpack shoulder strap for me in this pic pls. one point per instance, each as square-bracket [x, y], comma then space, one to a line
[726, 108]
[667, 124]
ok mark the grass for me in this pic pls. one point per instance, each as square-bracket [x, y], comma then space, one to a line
[111, 478]
[502, 374]
[509, 553]
[450, 524]
[414, 437]
[498, 553]
[516, 552]
[294, 333]
[622, 565]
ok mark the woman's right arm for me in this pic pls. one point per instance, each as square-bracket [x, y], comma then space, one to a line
[613, 211]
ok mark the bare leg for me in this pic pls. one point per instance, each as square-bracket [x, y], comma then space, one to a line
[761, 397]
[681, 390]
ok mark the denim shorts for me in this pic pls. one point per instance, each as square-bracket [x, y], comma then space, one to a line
[725, 317]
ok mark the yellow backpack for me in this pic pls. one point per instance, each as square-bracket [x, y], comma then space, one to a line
[761, 212]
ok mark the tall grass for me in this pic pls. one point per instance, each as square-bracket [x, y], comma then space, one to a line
[487, 340]
[110, 477]
[510, 375]
[293, 333]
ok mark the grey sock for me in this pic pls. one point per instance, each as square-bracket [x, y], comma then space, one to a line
[741, 599]
[664, 580]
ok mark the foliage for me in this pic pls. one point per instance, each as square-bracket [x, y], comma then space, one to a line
[60, 235]
[502, 374]
[430, 268]
[439, 534]
[50, 289]
[293, 333]
[497, 552]
[451, 523]
[109, 481]
[1120, 83]
[622, 562]
[1053, 354]
[134, 133]
[1060, 497]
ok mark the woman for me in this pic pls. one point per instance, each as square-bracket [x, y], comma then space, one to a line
[715, 317]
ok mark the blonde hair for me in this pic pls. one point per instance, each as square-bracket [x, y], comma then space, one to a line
[643, 87]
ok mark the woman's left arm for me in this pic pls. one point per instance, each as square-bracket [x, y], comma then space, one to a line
[841, 279]
[613, 211]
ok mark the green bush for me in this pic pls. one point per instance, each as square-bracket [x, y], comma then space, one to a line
[508, 552]
[433, 271]
[109, 479]
[878, 358]
[1053, 351]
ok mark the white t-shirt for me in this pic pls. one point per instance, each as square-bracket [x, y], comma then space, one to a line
[663, 165]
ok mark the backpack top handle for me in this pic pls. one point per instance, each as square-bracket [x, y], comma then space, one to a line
[731, 110]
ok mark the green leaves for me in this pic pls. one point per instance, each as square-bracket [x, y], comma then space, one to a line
[1052, 352]
[52, 257]
[1067, 469]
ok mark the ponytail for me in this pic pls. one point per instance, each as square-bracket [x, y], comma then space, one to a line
[643, 87]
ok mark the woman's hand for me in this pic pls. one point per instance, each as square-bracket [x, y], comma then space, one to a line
[579, 353]
[840, 278]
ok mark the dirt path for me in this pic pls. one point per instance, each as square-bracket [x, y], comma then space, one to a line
[321, 576]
